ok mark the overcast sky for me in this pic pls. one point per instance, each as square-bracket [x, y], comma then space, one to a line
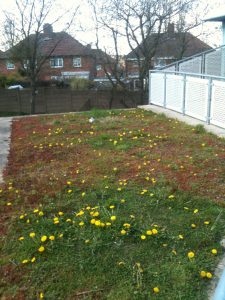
[86, 34]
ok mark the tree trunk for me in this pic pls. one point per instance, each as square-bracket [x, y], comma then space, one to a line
[33, 97]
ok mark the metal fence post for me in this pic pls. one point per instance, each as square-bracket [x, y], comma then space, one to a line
[184, 94]
[208, 117]
[149, 88]
[164, 100]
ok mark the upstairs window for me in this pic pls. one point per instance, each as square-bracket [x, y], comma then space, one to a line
[98, 67]
[77, 62]
[56, 62]
[10, 65]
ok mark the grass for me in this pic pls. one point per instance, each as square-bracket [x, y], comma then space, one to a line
[128, 207]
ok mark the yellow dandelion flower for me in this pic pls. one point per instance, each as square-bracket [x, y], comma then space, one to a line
[8, 203]
[113, 218]
[69, 191]
[206, 222]
[22, 217]
[44, 238]
[209, 275]
[33, 259]
[214, 251]
[68, 182]
[25, 261]
[123, 232]
[149, 232]
[97, 223]
[143, 237]
[92, 221]
[41, 295]
[68, 220]
[112, 206]
[41, 213]
[193, 225]
[171, 196]
[196, 211]
[32, 234]
[203, 274]
[154, 231]
[41, 249]
[36, 210]
[52, 237]
[83, 194]
[108, 224]
[122, 200]
[81, 223]
[95, 214]
[180, 236]
[190, 254]
[60, 235]
[87, 241]
[60, 213]
[126, 225]
[21, 238]
[156, 289]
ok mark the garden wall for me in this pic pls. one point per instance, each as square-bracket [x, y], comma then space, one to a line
[54, 100]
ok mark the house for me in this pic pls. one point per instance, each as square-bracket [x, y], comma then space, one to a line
[64, 57]
[171, 46]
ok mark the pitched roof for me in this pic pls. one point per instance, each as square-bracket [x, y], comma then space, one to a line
[53, 44]
[101, 57]
[2, 55]
[172, 45]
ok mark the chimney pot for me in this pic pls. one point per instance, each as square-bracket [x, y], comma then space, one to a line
[47, 28]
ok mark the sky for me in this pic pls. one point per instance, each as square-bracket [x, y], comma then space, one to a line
[83, 27]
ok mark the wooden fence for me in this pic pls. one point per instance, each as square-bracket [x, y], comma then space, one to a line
[54, 100]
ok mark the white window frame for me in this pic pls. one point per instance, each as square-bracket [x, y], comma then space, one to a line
[77, 62]
[10, 65]
[56, 62]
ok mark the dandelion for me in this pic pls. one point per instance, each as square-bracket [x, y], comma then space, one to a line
[171, 196]
[32, 234]
[60, 235]
[83, 194]
[143, 237]
[154, 231]
[126, 225]
[209, 275]
[95, 214]
[92, 221]
[41, 213]
[68, 220]
[25, 261]
[81, 223]
[41, 295]
[206, 222]
[44, 238]
[9, 204]
[149, 232]
[69, 191]
[108, 224]
[180, 236]
[203, 274]
[21, 238]
[190, 254]
[193, 226]
[113, 218]
[33, 259]
[156, 290]
[97, 223]
[112, 206]
[60, 213]
[41, 249]
[195, 211]
[123, 232]
[52, 237]
[122, 200]
[214, 251]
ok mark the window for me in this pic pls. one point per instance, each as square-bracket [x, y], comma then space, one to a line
[98, 67]
[10, 65]
[56, 62]
[77, 62]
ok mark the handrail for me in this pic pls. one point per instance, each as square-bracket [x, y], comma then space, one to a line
[188, 74]
[191, 57]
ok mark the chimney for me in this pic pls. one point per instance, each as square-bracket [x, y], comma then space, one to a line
[47, 29]
[170, 28]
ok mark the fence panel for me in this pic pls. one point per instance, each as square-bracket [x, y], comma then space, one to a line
[193, 65]
[196, 98]
[174, 92]
[157, 88]
[218, 103]
[214, 63]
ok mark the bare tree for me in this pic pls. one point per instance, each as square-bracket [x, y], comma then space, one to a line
[24, 34]
[140, 23]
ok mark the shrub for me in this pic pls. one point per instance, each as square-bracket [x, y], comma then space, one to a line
[80, 84]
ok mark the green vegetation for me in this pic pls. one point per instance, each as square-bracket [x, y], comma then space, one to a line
[127, 207]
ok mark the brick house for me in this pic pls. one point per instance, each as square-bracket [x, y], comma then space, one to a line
[65, 57]
[171, 46]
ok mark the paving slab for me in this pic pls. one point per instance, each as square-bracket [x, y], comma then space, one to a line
[5, 134]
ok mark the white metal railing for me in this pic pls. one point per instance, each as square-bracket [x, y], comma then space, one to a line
[210, 62]
[189, 94]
